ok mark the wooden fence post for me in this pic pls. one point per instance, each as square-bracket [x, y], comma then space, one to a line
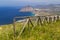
[14, 29]
[31, 22]
[23, 28]
[52, 19]
[43, 20]
[57, 18]
[40, 21]
[36, 22]
[48, 19]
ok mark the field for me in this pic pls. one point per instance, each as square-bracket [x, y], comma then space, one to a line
[47, 31]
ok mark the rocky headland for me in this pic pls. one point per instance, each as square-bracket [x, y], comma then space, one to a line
[38, 11]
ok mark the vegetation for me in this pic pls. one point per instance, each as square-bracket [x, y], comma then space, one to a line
[47, 31]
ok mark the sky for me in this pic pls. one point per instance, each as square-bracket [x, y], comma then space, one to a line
[27, 2]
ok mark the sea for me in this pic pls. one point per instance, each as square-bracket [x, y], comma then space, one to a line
[8, 13]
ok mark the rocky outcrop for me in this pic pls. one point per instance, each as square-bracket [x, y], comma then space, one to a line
[27, 9]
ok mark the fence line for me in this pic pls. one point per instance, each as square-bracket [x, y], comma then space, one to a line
[39, 20]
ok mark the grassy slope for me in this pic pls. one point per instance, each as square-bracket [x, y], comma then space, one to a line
[45, 32]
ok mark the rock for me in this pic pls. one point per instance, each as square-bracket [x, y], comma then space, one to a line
[27, 9]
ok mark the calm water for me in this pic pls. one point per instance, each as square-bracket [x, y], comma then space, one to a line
[8, 13]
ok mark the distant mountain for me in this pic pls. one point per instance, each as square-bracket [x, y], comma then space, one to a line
[27, 9]
[47, 6]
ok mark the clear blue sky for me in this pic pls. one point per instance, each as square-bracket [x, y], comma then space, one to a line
[26, 2]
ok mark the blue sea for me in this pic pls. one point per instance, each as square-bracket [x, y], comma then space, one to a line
[8, 13]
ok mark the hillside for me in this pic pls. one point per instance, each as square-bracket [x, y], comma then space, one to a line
[51, 8]
[48, 31]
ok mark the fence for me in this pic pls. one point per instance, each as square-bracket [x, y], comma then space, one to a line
[29, 21]
[35, 20]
